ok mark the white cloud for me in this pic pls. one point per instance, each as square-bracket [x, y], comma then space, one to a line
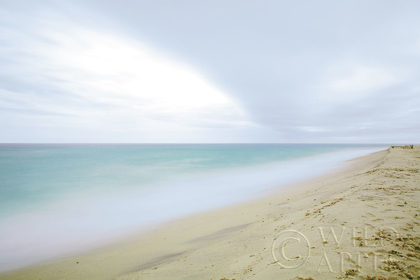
[78, 72]
[104, 81]
[354, 81]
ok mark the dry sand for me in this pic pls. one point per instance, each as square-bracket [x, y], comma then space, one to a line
[359, 223]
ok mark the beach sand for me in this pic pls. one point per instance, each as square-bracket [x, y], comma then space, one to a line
[359, 223]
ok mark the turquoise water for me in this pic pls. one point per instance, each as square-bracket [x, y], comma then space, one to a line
[32, 175]
[97, 192]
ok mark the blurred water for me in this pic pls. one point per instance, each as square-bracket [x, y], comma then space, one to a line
[60, 199]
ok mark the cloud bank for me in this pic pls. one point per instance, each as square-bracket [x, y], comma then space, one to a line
[210, 71]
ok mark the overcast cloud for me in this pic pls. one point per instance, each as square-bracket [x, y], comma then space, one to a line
[210, 71]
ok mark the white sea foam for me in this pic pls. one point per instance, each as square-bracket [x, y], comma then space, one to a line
[83, 223]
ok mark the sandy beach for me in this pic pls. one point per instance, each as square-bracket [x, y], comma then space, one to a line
[358, 223]
[215, 140]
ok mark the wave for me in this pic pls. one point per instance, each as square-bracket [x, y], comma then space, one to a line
[91, 220]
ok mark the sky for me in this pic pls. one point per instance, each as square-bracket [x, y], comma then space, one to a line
[163, 71]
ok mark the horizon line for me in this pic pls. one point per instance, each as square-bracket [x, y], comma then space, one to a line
[200, 143]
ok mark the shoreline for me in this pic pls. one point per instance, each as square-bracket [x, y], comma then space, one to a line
[111, 218]
[196, 246]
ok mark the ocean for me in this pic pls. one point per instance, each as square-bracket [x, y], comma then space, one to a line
[58, 200]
